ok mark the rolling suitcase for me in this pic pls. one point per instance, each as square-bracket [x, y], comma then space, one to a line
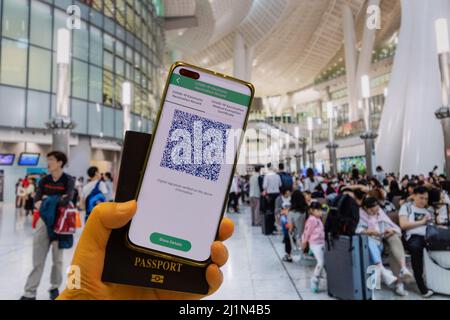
[346, 263]
[267, 216]
[267, 223]
[437, 237]
[437, 270]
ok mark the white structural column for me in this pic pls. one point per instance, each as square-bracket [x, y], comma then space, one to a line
[390, 131]
[239, 57]
[365, 55]
[242, 70]
[126, 104]
[350, 59]
[414, 95]
[249, 52]
[423, 149]
[61, 124]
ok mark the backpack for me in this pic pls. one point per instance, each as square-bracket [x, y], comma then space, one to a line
[94, 198]
[286, 181]
[343, 217]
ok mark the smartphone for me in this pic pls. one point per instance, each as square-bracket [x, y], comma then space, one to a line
[190, 163]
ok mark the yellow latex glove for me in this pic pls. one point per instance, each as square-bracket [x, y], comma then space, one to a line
[90, 255]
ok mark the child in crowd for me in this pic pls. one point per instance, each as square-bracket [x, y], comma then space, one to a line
[314, 235]
[282, 202]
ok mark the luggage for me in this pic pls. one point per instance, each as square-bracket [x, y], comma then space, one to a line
[66, 220]
[437, 238]
[346, 263]
[267, 215]
[267, 225]
[437, 270]
[343, 216]
[36, 216]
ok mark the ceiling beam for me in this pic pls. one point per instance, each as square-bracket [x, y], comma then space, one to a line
[173, 23]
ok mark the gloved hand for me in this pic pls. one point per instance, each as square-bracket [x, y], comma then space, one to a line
[90, 255]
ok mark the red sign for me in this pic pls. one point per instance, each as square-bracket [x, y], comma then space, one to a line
[448, 153]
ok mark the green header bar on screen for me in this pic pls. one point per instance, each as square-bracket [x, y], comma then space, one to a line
[210, 89]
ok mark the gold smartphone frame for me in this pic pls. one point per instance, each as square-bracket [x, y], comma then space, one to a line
[163, 100]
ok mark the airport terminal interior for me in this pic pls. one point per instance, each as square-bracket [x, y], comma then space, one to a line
[351, 101]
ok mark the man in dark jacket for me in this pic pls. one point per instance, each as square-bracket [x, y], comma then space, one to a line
[57, 186]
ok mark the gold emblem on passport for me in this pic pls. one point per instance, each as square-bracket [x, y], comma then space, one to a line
[157, 278]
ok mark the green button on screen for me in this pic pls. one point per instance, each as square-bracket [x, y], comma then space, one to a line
[170, 242]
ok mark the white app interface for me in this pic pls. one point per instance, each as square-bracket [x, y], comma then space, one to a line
[190, 165]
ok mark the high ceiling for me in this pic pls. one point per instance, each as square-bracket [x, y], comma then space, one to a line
[292, 40]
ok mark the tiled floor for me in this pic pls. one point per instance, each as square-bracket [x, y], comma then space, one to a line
[254, 269]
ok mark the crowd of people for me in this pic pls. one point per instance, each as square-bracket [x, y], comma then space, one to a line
[44, 194]
[393, 213]
[25, 192]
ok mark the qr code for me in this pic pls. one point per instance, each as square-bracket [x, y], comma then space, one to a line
[195, 145]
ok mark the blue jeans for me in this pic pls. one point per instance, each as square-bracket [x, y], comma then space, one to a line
[375, 251]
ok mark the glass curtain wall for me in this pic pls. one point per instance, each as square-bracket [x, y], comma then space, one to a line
[119, 40]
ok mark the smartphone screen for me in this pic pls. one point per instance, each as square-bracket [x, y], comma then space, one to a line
[184, 188]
